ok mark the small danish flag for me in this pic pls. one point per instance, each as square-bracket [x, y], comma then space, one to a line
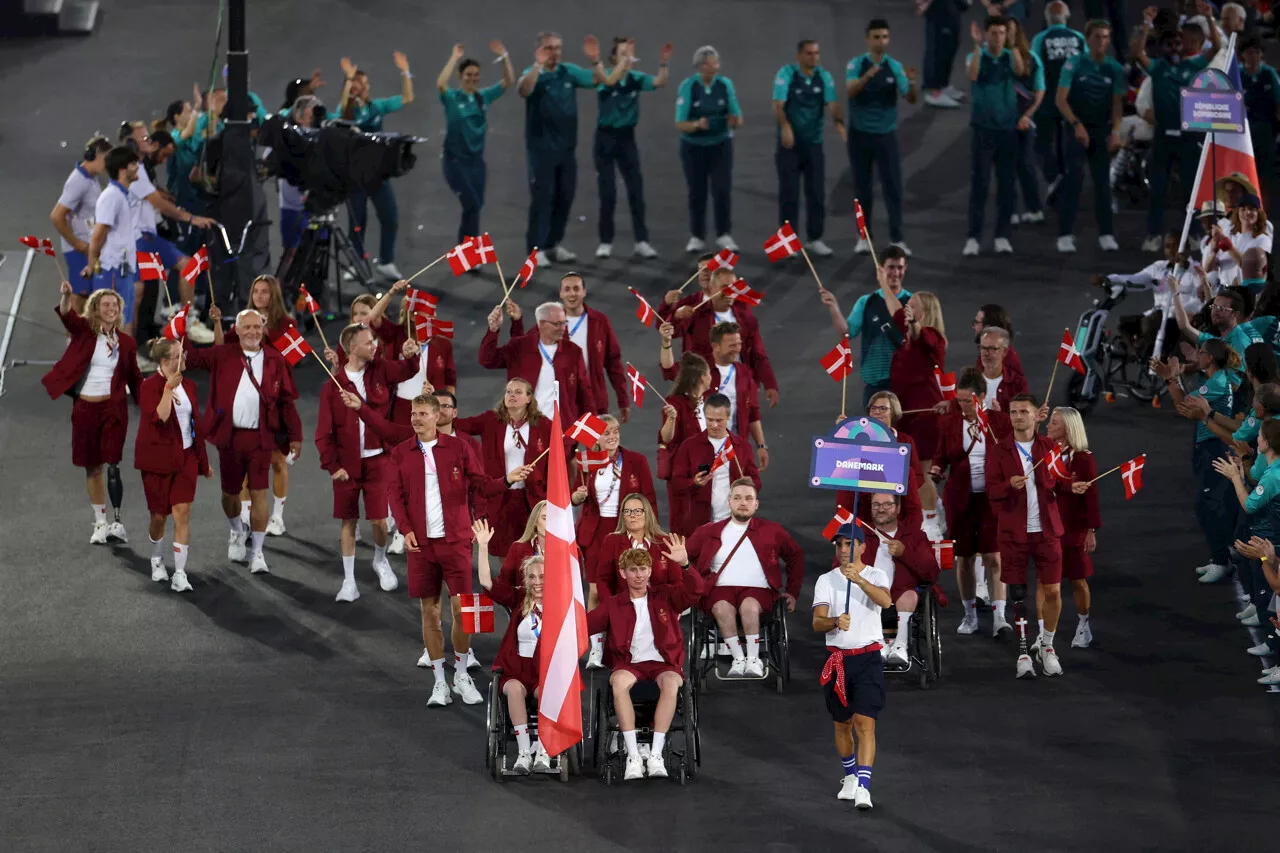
[1069, 355]
[946, 383]
[292, 346]
[587, 429]
[150, 266]
[638, 383]
[645, 313]
[783, 244]
[196, 264]
[839, 362]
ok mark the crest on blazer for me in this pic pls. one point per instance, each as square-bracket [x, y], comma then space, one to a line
[662, 615]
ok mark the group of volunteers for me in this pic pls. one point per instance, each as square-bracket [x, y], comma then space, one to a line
[1009, 481]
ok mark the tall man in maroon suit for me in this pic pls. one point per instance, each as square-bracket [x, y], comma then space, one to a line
[701, 475]
[251, 401]
[914, 565]
[1003, 381]
[1021, 491]
[543, 359]
[740, 560]
[593, 333]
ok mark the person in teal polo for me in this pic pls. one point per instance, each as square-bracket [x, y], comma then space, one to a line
[466, 116]
[803, 94]
[615, 143]
[1090, 98]
[707, 112]
[357, 107]
[1226, 312]
[1054, 45]
[992, 69]
[1261, 86]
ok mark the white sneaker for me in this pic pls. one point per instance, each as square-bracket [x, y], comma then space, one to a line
[898, 655]
[1215, 573]
[359, 539]
[970, 249]
[158, 573]
[562, 255]
[472, 663]
[275, 525]
[863, 247]
[1107, 243]
[1251, 610]
[115, 530]
[595, 660]
[1049, 662]
[655, 767]
[1154, 243]
[738, 669]
[820, 249]
[848, 788]
[521, 766]
[199, 333]
[388, 271]
[99, 534]
[941, 100]
[969, 624]
[541, 761]
[1033, 217]
[862, 799]
[258, 565]
[722, 650]
[1025, 668]
[236, 550]
[386, 577]
[998, 624]
[543, 259]
[1035, 648]
[953, 92]
[440, 694]
[466, 688]
[1067, 244]
[146, 365]
[1260, 650]
[755, 668]
[644, 250]
[635, 768]
[695, 244]
[1014, 219]
[903, 246]
[724, 241]
[1003, 247]
[1251, 622]
[1202, 569]
[349, 274]
[1272, 678]
[350, 592]
[180, 582]
[980, 591]
[396, 545]
[1083, 638]
[604, 250]
[425, 660]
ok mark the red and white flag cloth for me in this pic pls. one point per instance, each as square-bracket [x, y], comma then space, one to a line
[740, 291]
[586, 430]
[196, 264]
[1056, 464]
[1224, 153]
[292, 346]
[1069, 355]
[724, 260]
[946, 383]
[839, 362]
[464, 256]
[420, 302]
[726, 455]
[151, 266]
[841, 518]
[564, 629]
[426, 327]
[309, 303]
[477, 613]
[637, 381]
[484, 249]
[40, 244]
[1131, 473]
[945, 553]
[592, 460]
[526, 271]
[980, 415]
[861, 219]
[645, 313]
[176, 328]
[783, 244]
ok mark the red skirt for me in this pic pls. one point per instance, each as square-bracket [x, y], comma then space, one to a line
[523, 670]
[97, 433]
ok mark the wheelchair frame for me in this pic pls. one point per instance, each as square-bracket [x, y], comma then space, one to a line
[501, 738]
[924, 646]
[604, 727]
[704, 633]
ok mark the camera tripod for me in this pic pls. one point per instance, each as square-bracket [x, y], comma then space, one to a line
[324, 245]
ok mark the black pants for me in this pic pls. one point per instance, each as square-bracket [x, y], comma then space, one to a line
[705, 164]
[992, 149]
[1099, 161]
[881, 151]
[553, 180]
[616, 146]
[802, 164]
[466, 177]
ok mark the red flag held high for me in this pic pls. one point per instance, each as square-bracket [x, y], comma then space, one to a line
[464, 256]
[740, 291]
[484, 249]
[645, 313]
[1069, 355]
[637, 381]
[292, 346]
[420, 302]
[862, 220]
[783, 244]
[309, 303]
[176, 328]
[1131, 473]
[39, 244]
[839, 362]
[587, 429]
[841, 518]
[724, 259]
[526, 271]
[198, 263]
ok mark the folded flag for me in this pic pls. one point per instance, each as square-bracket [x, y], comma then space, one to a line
[176, 328]
[1057, 465]
[40, 244]
[526, 271]
[587, 429]
[861, 219]
[477, 613]
[783, 244]
[726, 455]
[292, 346]
[839, 362]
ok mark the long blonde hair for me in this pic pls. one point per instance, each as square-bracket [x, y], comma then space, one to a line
[275, 305]
[90, 312]
[532, 414]
[931, 312]
[652, 529]
[1077, 440]
[531, 526]
[529, 601]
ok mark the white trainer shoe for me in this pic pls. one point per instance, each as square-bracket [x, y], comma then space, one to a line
[738, 669]
[541, 761]
[562, 255]
[1270, 678]
[898, 655]
[644, 250]
[472, 663]
[543, 259]
[439, 694]
[388, 271]
[199, 332]
[115, 530]
[969, 624]
[848, 788]
[1026, 669]
[980, 592]
[180, 582]
[1260, 650]
[940, 100]
[1003, 247]
[1014, 219]
[655, 767]
[396, 545]
[1083, 638]
[863, 247]
[258, 565]
[349, 592]
[819, 248]
[724, 241]
[158, 573]
[1067, 244]
[236, 549]
[903, 246]
[604, 250]
[275, 524]
[862, 799]
[635, 768]
[755, 668]
[695, 244]
[386, 576]
[595, 660]
[971, 248]
[999, 624]
[957, 94]
[1202, 569]
[1107, 243]
[1033, 217]
[1251, 610]
[1215, 573]
[1049, 661]
[1251, 622]
[99, 534]
[521, 766]
[1154, 243]
[425, 660]
[466, 688]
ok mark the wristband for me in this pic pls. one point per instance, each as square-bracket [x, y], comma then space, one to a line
[406, 74]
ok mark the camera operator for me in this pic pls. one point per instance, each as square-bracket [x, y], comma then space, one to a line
[366, 113]
[305, 111]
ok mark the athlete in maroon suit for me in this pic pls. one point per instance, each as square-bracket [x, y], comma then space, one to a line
[681, 415]
[914, 565]
[593, 333]
[524, 356]
[703, 486]
[1078, 501]
[1002, 380]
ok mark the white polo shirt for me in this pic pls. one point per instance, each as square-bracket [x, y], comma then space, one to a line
[864, 614]
[117, 210]
[80, 195]
[246, 408]
[545, 389]
[147, 217]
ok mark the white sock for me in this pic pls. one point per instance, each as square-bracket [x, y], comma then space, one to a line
[237, 526]
[1040, 625]
[659, 738]
[753, 646]
[597, 642]
[522, 738]
[437, 667]
[1046, 639]
[1084, 618]
[157, 547]
[99, 513]
[277, 507]
[391, 524]
[257, 537]
[245, 506]
[735, 647]
[997, 607]
[349, 568]
[904, 620]
[459, 663]
[630, 739]
[979, 571]
[379, 553]
[970, 607]
[179, 557]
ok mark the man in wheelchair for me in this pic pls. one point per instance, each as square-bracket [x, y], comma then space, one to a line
[911, 561]
[644, 643]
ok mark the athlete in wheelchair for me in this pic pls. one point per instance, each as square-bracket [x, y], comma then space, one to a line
[647, 693]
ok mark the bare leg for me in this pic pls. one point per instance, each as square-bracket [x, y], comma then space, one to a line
[995, 587]
[279, 475]
[669, 685]
[866, 729]
[928, 491]
[461, 639]
[259, 510]
[516, 709]
[844, 738]
[379, 532]
[1080, 591]
[95, 485]
[1039, 601]
[231, 505]
[432, 633]
[156, 527]
[750, 612]
[348, 538]
[726, 619]
[622, 682]
[966, 580]
[908, 601]
[593, 598]
[181, 524]
[1052, 605]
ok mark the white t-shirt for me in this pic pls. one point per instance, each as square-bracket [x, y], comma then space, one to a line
[117, 210]
[79, 195]
[993, 385]
[412, 387]
[106, 355]
[701, 412]
[642, 646]
[357, 379]
[513, 451]
[977, 457]
[864, 614]
[725, 316]
[246, 408]
[744, 569]
[578, 334]
[1153, 276]
[884, 560]
[1229, 271]
[183, 411]
[145, 221]
[729, 387]
[607, 480]
[720, 481]
[526, 639]
[1033, 494]
[545, 389]
[435, 506]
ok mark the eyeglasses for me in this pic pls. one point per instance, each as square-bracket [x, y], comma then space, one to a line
[555, 322]
[447, 406]
[1216, 307]
[633, 512]
[992, 349]
[879, 409]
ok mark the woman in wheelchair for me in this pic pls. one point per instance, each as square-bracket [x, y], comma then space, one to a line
[530, 544]
[642, 627]
[517, 659]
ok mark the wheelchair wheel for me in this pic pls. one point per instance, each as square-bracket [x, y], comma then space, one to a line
[926, 635]
[600, 758]
[488, 724]
[1077, 398]
[780, 648]
[499, 741]
[691, 758]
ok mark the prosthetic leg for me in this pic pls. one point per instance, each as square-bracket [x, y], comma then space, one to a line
[1018, 592]
[115, 493]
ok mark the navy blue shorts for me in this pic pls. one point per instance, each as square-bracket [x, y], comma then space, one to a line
[167, 251]
[863, 687]
[76, 262]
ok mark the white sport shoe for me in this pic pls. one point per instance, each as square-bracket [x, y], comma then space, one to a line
[941, 100]
[472, 663]
[635, 768]
[440, 694]
[1215, 573]
[275, 524]
[199, 332]
[970, 249]
[1154, 243]
[595, 660]
[466, 688]
[386, 577]
[604, 250]
[898, 655]
[755, 668]
[522, 763]
[980, 591]
[957, 94]
[99, 534]
[655, 767]
[543, 259]
[644, 250]
[1107, 243]
[1083, 638]
[724, 241]
[158, 573]
[541, 761]
[1270, 678]
[1067, 244]
[695, 244]
[1251, 622]
[1251, 610]
[998, 624]
[862, 799]
[396, 545]
[1049, 661]
[180, 582]
[1003, 246]
[819, 248]
[115, 530]
[903, 246]
[388, 271]
[1033, 217]
[738, 669]
[1026, 669]
[1035, 649]
[236, 550]
[562, 255]
[1260, 650]
[425, 660]
[848, 788]
[349, 592]
[258, 565]
[863, 247]
[969, 624]
[1014, 219]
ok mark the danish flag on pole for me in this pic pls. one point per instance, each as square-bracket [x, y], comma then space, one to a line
[1069, 355]
[946, 383]
[526, 271]
[1227, 152]
[638, 383]
[292, 346]
[1131, 473]
[45, 245]
[426, 327]
[464, 256]
[477, 614]
[645, 313]
[840, 519]
[862, 220]
[783, 244]
[484, 249]
[740, 291]
[724, 259]
[726, 455]
[176, 328]
[198, 263]
[586, 429]
[564, 612]
[420, 302]
[592, 460]
[1057, 465]
[150, 266]
[309, 303]
[839, 362]
[945, 553]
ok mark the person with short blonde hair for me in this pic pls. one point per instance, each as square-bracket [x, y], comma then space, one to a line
[1078, 502]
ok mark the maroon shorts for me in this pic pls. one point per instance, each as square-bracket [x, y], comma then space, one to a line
[164, 491]
[97, 433]
[648, 670]
[372, 481]
[973, 529]
[1076, 564]
[1014, 556]
[245, 456]
[439, 561]
[524, 672]
[736, 595]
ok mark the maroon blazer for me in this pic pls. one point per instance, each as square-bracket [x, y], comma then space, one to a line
[493, 432]
[693, 507]
[158, 446]
[686, 427]
[511, 596]
[1013, 384]
[459, 474]
[744, 385]
[1012, 362]
[73, 365]
[1004, 460]
[667, 312]
[695, 336]
[441, 371]
[523, 360]
[635, 478]
[616, 616]
[338, 428]
[774, 547]
[918, 565]
[226, 364]
[510, 571]
[605, 357]
[1079, 513]
[603, 571]
[953, 454]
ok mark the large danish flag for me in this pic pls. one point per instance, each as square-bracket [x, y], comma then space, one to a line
[587, 429]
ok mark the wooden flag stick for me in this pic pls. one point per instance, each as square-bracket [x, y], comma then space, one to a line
[1104, 473]
[327, 370]
[681, 288]
[62, 276]
[501, 278]
[540, 455]
[661, 396]
[844, 385]
[208, 274]
[427, 267]
[872, 247]
[319, 329]
[811, 269]
[1052, 374]
[919, 411]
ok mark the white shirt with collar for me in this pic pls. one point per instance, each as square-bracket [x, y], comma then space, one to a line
[545, 389]
[993, 385]
[80, 196]
[431, 494]
[102, 367]
[117, 211]
[607, 483]
[247, 407]
[865, 629]
[145, 221]
[513, 451]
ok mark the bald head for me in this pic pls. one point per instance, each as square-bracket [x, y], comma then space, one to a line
[1253, 263]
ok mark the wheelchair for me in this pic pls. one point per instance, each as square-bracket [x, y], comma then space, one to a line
[924, 646]
[501, 751]
[1114, 362]
[683, 748]
[702, 638]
